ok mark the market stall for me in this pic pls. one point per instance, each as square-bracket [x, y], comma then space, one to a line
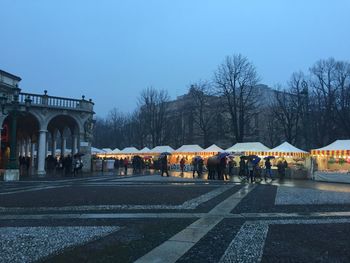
[188, 152]
[248, 148]
[332, 162]
[128, 152]
[144, 151]
[95, 151]
[298, 160]
[211, 150]
[160, 149]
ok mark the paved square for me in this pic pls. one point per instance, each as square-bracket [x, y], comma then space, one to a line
[157, 219]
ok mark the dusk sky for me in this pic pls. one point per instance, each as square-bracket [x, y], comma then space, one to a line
[111, 50]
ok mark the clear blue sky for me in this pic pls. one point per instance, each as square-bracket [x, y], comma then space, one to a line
[110, 50]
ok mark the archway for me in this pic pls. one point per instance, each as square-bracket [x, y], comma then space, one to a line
[26, 137]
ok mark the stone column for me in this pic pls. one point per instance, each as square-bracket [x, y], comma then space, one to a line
[85, 148]
[41, 152]
[28, 144]
[32, 155]
[23, 147]
[47, 146]
[74, 144]
[63, 145]
[19, 148]
[53, 145]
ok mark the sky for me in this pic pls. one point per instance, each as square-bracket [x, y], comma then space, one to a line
[111, 50]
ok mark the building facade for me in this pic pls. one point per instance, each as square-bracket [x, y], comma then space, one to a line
[35, 125]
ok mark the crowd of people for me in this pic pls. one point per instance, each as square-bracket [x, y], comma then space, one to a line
[64, 165]
[250, 168]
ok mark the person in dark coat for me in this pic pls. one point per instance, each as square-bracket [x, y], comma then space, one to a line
[281, 168]
[164, 166]
[116, 165]
[268, 171]
[222, 169]
[200, 167]
[126, 163]
[195, 167]
[182, 164]
[251, 166]
[68, 165]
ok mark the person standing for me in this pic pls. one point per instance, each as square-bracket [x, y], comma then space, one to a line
[231, 165]
[126, 163]
[223, 168]
[164, 165]
[182, 164]
[68, 165]
[116, 165]
[195, 166]
[200, 167]
[251, 170]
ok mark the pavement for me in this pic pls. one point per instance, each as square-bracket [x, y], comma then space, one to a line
[148, 218]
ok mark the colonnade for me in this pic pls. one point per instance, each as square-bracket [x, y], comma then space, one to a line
[38, 146]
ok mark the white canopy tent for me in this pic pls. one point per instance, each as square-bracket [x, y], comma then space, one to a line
[96, 151]
[191, 148]
[248, 147]
[115, 151]
[213, 149]
[286, 149]
[338, 145]
[129, 151]
[162, 149]
[107, 150]
[144, 150]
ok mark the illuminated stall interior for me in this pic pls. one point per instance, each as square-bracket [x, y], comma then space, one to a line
[296, 158]
[333, 157]
[210, 151]
[188, 152]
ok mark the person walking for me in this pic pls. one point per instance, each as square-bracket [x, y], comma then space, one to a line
[242, 168]
[268, 171]
[250, 166]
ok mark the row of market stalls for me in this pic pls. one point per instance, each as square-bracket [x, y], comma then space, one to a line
[329, 163]
[188, 151]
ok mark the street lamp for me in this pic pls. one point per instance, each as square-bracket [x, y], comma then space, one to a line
[12, 171]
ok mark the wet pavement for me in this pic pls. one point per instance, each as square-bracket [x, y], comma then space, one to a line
[148, 218]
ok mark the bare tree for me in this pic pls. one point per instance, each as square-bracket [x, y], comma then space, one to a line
[203, 106]
[324, 87]
[153, 104]
[235, 79]
[288, 108]
[342, 78]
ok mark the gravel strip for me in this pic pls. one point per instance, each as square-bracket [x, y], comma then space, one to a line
[303, 196]
[248, 244]
[28, 244]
